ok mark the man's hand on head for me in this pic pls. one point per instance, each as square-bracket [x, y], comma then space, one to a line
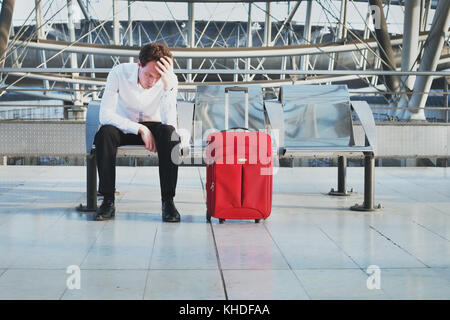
[165, 68]
[147, 137]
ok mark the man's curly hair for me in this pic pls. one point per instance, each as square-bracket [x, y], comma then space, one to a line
[153, 52]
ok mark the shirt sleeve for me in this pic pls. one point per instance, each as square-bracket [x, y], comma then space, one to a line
[108, 106]
[168, 107]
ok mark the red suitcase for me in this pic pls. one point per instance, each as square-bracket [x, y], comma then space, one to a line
[239, 170]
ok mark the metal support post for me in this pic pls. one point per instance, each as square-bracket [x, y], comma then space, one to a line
[268, 27]
[376, 66]
[446, 98]
[343, 20]
[130, 29]
[410, 50]
[5, 28]
[284, 58]
[426, 10]
[341, 31]
[92, 65]
[191, 36]
[342, 173]
[16, 62]
[342, 177]
[84, 9]
[41, 35]
[236, 61]
[73, 55]
[369, 180]
[249, 39]
[140, 34]
[363, 59]
[384, 44]
[432, 52]
[283, 67]
[304, 60]
[116, 34]
[91, 185]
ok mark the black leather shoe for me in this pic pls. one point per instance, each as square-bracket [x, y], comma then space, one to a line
[106, 211]
[169, 212]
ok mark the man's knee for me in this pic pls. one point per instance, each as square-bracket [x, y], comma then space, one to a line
[106, 133]
[168, 133]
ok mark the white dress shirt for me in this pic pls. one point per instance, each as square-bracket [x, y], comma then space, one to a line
[125, 102]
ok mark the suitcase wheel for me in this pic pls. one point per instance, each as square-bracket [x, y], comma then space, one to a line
[208, 217]
[221, 221]
[257, 220]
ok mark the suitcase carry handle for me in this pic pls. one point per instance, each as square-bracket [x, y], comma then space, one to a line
[236, 89]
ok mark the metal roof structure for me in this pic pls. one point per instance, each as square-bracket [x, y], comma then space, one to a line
[229, 51]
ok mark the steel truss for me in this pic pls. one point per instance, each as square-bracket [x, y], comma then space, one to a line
[211, 50]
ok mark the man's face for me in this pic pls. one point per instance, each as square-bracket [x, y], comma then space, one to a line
[148, 75]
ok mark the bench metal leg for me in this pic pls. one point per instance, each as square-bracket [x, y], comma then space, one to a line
[369, 179]
[91, 185]
[342, 174]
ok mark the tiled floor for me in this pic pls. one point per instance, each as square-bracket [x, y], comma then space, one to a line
[311, 247]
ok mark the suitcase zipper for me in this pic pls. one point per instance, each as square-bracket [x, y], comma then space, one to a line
[213, 193]
[242, 186]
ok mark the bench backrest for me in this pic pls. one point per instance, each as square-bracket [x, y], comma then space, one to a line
[306, 117]
[210, 110]
[316, 115]
[184, 110]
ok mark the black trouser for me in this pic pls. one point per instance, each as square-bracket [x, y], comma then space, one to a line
[109, 138]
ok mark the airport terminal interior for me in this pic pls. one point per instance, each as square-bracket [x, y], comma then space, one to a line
[353, 95]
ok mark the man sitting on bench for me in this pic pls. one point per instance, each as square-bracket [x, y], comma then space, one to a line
[139, 108]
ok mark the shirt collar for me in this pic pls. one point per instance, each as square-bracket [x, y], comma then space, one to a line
[134, 75]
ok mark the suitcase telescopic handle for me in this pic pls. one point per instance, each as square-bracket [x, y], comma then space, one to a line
[236, 128]
[236, 89]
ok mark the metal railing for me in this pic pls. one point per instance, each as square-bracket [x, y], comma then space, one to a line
[443, 73]
[189, 88]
